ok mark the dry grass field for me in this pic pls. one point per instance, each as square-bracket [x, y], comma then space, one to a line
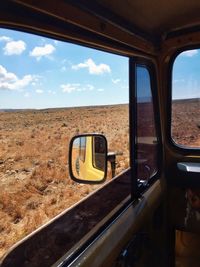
[186, 122]
[34, 181]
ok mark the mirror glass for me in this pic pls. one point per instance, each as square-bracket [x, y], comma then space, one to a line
[88, 158]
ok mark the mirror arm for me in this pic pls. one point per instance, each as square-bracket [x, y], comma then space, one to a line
[111, 157]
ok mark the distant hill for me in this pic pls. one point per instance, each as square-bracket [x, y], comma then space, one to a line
[60, 108]
[16, 110]
[186, 100]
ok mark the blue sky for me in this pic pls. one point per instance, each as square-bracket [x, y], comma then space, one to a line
[38, 72]
[186, 75]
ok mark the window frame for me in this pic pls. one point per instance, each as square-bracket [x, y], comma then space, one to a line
[94, 155]
[151, 68]
[184, 150]
[136, 191]
[82, 149]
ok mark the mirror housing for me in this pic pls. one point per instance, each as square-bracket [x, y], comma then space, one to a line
[88, 158]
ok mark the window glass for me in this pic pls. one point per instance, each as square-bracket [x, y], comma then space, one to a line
[185, 127]
[49, 92]
[98, 155]
[82, 148]
[146, 141]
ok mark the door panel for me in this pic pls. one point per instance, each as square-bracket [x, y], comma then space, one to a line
[184, 198]
[48, 243]
[109, 245]
[71, 229]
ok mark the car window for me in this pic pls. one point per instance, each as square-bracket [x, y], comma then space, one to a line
[82, 147]
[185, 122]
[98, 148]
[49, 92]
[146, 139]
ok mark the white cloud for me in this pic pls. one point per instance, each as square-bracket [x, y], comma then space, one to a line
[115, 81]
[9, 81]
[92, 67]
[14, 48]
[68, 88]
[90, 87]
[39, 91]
[190, 53]
[6, 76]
[5, 39]
[42, 51]
[100, 90]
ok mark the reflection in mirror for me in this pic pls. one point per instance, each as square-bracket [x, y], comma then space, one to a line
[88, 158]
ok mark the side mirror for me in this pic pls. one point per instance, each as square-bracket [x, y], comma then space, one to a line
[88, 158]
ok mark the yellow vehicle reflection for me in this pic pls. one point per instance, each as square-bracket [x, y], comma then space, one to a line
[89, 158]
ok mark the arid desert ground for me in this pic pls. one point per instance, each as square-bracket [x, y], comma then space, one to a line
[34, 182]
[186, 122]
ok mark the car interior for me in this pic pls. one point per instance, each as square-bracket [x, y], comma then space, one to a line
[148, 215]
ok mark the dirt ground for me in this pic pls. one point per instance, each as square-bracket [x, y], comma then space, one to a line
[186, 122]
[34, 181]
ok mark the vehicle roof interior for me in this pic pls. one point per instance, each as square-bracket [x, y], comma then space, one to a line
[152, 20]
